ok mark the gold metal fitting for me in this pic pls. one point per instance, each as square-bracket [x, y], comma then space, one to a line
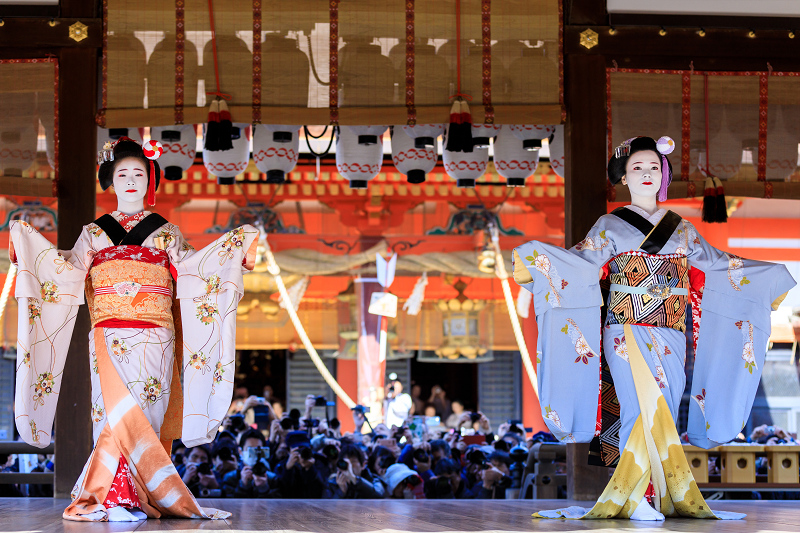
[589, 38]
[78, 31]
[791, 34]
[612, 30]
[751, 34]
[701, 32]
[53, 23]
[662, 32]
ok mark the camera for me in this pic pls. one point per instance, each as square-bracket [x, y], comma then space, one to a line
[320, 401]
[177, 459]
[204, 468]
[306, 453]
[360, 409]
[421, 456]
[343, 465]
[476, 457]
[236, 422]
[289, 423]
[391, 389]
[334, 423]
[210, 493]
[475, 417]
[413, 480]
[330, 451]
[259, 469]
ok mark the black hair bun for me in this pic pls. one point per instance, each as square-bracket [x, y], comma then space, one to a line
[122, 150]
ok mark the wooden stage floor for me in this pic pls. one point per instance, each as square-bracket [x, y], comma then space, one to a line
[44, 515]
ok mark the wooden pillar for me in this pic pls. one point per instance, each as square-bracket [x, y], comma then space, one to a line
[584, 144]
[78, 86]
[584, 481]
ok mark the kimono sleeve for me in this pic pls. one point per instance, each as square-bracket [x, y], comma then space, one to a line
[567, 301]
[209, 287]
[732, 341]
[49, 290]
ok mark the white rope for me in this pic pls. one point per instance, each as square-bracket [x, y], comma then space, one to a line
[275, 270]
[500, 269]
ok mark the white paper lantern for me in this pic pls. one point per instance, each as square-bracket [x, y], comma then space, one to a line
[424, 135]
[513, 162]
[227, 164]
[465, 167]
[481, 133]
[368, 135]
[409, 159]
[557, 151]
[179, 142]
[275, 150]
[531, 135]
[358, 163]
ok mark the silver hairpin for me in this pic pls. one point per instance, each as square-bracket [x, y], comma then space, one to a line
[623, 150]
[106, 154]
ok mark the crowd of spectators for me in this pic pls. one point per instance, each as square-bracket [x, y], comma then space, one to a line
[296, 455]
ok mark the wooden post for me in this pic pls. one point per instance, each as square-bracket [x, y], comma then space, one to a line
[584, 144]
[584, 481]
[78, 85]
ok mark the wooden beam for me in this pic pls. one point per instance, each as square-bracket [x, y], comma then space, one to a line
[767, 45]
[584, 144]
[19, 186]
[18, 31]
[78, 84]
[585, 12]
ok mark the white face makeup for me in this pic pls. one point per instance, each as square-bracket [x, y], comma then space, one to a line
[130, 181]
[643, 174]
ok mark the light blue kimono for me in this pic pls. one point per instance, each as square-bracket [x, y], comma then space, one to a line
[731, 345]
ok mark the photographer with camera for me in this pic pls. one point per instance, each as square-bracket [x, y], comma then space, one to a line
[198, 474]
[252, 478]
[403, 483]
[396, 404]
[352, 479]
[479, 424]
[298, 475]
[449, 482]
[494, 477]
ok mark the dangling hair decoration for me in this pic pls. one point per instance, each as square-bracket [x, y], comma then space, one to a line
[152, 151]
[665, 146]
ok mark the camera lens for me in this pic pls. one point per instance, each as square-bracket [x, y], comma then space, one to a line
[330, 451]
[305, 453]
[259, 469]
[421, 456]
[341, 464]
[286, 423]
[475, 417]
[391, 389]
[204, 468]
[386, 461]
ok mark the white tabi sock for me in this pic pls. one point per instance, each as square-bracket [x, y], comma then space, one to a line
[645, 512]
[120, 514]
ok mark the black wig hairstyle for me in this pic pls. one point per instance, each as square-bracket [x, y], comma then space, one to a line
[616, 165]
[122, 150]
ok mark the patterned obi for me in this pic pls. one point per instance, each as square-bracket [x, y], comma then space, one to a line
[650, 290]
[130, 284]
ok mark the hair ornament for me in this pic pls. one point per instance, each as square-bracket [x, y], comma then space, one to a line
[153, 149]
[624, 149]
[106, 154]
[665, 145]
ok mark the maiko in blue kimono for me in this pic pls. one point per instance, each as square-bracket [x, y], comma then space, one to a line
[657, 264]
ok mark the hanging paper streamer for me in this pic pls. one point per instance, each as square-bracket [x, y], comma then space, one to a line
[296, 293]
[414, 303]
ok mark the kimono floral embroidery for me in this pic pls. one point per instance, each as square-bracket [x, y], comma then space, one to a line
[167, 235]
[621, 348]
[701, 401]
[43, 387]
[34, 310]
[218, 371]
[206, 311]
[542, 263]
[233, 239]
[688, 235]
[656, 349]
[213, 284]
[552, 415]
[747, 345]
[152, 391]
[94, 364]
[49, 292]
[94, 229]
[97, 413]
[199, 361]
[736, 272]
[34, 432]
[593, 244]
[582, 347]
[26, 359]
[120, 349]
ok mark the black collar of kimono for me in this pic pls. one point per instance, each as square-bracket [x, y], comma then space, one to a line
[137, 235]
[656, 236]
